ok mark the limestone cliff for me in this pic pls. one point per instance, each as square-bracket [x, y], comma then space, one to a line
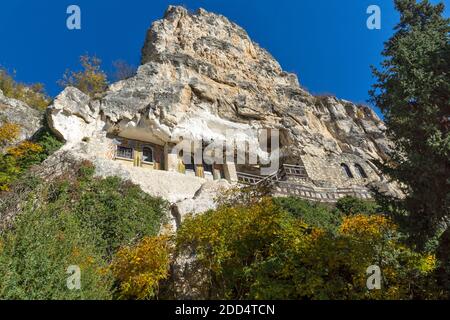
[201, 76]
[18, 112]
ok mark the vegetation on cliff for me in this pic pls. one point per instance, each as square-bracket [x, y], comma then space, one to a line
[76, 220]
[17, 159]
[413, 92]
[33, 95]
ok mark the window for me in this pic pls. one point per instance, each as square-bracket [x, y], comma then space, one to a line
[190, 166]
[124, 152]
[147, 154]
[208, 168]
[361, 171]
[347, 171]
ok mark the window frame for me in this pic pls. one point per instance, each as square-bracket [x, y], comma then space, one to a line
[125, 158]
[153, 154]
[361, 172]
[347, 171]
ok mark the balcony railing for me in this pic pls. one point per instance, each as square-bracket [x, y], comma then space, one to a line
[288, 181]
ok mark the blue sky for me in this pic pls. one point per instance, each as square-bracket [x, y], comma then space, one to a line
[325, 42]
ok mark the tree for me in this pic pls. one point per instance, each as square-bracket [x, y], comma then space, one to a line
[140, 268]
[123, 70]
[413, 92]
[259, 251]
[35, 255]
[91, 80]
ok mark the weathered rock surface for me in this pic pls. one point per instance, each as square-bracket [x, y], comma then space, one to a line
[18, 112]
[202, 76]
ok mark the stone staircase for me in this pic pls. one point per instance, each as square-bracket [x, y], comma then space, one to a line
[293, 180]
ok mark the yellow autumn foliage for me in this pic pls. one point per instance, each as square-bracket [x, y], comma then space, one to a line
[24, 148]
[8, 133]
[91, 80]
[360, 225]
[140, 268]
[257, 251]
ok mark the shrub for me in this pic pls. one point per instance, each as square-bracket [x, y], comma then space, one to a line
[91, 80]
[35, 256]
[9, 132]
[312, 213]
[21, 157]
[8, 171]
[139, 269]
[258, 251]
[118, 213]
[352, 206]
[33, 95]
[76, 220]
[228, 242]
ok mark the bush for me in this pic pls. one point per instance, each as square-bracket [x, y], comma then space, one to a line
[314, 214]
[140, 268]
[35, 255]
[352, 206]
[9, 132]
[120, 213]
[33, 95]
[259, 251]
[77, 220]
[21, 157]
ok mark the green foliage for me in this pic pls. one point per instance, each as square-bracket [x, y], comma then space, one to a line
[353, 206]
[75, 220]
[33, 95]
[35, 255]
[314, 214]
[91, 80]
[413, 92]
[21, 157]
[118, 212]
[8, 171]
[259, 251]
[48, 141]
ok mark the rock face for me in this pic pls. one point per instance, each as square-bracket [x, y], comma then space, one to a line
[201, 78]
[18, 112]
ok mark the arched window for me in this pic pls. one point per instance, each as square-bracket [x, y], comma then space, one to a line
[361, 171]
[347, 171]
[147, 154]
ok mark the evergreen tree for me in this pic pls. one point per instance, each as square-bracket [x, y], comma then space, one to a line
[413, 92]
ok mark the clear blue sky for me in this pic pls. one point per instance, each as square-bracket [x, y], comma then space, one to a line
[325, 42]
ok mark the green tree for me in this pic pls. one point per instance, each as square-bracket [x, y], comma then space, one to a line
[413, 92]
[314, 214]
[91, 80]
[259, 251]
[352, 206]
[35, 255]
[80, 220]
